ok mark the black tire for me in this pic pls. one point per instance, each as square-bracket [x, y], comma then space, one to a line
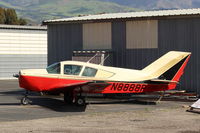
[68, 97]
[80, 101]
[25, 101]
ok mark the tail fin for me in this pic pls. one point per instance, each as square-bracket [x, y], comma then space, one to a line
[169, 67]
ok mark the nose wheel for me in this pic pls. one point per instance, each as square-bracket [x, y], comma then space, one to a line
[25, 101]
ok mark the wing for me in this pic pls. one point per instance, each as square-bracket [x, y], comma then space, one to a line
[87, 86]
[75, 84]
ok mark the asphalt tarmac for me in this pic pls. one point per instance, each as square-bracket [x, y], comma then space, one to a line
[44, 107]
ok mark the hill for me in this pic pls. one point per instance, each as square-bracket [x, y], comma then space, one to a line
[157, 4]
[39, 10]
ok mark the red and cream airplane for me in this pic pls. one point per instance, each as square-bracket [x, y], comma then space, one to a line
[72, 78]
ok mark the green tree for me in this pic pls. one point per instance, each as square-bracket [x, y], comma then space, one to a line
[11, 17]
[2, 16]
[22, 21]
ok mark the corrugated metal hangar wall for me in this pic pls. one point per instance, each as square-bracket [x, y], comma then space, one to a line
[134, 43]
[22, 47]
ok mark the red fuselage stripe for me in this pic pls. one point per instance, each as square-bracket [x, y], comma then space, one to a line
[40, 84]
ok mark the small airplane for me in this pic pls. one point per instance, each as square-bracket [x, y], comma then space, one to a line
[73, 78]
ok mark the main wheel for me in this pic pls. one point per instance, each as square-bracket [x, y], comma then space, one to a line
[80, 101]
[68, 97]
[24, 101]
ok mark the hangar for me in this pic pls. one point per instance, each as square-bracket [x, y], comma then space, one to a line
[133, 39]
[22, 47]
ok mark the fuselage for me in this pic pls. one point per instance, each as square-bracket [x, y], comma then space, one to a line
[68, 73]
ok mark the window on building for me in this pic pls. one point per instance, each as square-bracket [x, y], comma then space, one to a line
[89, 72]
[54, 68]
[97, 36]
[72, 69]
[142, 34]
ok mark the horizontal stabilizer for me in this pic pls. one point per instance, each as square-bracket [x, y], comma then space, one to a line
[160, 81]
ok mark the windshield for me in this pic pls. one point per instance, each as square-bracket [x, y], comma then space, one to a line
[54, 68]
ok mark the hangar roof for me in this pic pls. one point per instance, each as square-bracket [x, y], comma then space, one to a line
[22, 27]
[141, 14]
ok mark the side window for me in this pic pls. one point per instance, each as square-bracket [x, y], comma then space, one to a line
[89, 72]
[72, 69]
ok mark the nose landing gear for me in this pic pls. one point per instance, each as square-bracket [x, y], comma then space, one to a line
[25, 100]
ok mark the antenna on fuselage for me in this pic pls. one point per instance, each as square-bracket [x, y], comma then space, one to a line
[92, 58]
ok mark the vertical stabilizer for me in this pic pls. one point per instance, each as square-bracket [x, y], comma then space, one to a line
[169, 67]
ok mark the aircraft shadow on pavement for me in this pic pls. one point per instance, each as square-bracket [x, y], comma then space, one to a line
[125, 102]
[59, 105]
[56, 105]
[9, 104]
[5, 97]
[16, 92]
[50, 103]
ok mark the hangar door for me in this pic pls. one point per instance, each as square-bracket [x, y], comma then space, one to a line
[21, 49]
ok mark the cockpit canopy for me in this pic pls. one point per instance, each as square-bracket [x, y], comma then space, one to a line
[72, 69]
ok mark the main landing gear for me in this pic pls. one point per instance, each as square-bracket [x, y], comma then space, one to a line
[72, 97]
[80, 101]
[69, 97]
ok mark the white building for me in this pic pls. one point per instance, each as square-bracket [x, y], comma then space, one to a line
[22, 47]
